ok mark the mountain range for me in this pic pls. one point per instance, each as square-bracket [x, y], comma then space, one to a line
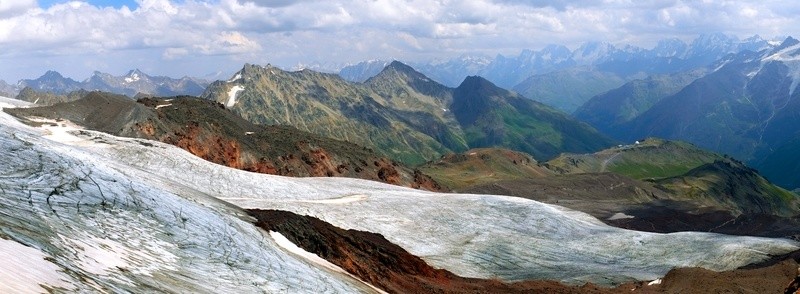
[403, 113]
[135, 82]
[745, 106]
[564, 78]
[667, 56]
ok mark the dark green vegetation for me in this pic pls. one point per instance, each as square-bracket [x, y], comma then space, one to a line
[207, 130]
[403, 114]
[568, 89]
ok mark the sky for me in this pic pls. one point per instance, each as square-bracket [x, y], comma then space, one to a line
[205, 37]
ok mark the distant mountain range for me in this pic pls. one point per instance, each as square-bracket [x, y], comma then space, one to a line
[403, 113]
[668, 56]
[135, 82]
[564, 78]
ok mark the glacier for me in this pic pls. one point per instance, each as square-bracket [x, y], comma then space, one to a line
[116, 214]
[107, 227]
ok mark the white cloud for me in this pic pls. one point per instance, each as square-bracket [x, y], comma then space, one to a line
[286, 32]
[15, 7]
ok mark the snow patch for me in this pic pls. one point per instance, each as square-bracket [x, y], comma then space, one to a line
[620, 215]
[288, 245]
[163, 105]
[103, 256]
[61, 131]
[25, 270]
[249, 133]
[134, 77]
[235, 78]
[284, 243]
[232, 95]
[6, 102]
[722, 65]
[788, 57]
[655, 282]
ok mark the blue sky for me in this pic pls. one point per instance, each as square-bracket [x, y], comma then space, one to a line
[201, 37]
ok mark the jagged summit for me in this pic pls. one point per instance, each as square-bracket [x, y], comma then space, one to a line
[788, 42]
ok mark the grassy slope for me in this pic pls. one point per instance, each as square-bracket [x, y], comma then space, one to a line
[651, 159]
[482, 166]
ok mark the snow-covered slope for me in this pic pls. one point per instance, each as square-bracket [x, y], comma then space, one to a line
[80, 222]
[471, 235]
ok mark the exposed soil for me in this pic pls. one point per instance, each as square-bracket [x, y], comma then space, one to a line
[385, 265]
[208, 130]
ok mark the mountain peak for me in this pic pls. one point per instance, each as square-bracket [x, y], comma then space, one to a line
[135, 72]
[399, 66]
[476, 83]
[789, 41]
[51, 74]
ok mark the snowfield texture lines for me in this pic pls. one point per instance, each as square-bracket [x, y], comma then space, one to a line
[108, 227]
[471, 235]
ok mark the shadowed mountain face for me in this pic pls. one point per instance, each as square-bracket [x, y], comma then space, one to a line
[403, 114]
[207, 130]
[608, 110]
[491, 116]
